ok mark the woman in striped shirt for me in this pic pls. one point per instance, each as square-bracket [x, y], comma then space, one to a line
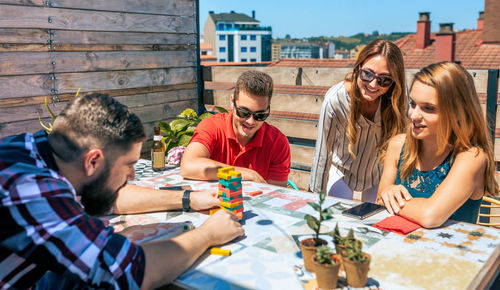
[358, 117]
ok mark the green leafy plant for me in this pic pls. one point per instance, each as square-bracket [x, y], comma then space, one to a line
[315, 223]
[179, 131]
[324, 255]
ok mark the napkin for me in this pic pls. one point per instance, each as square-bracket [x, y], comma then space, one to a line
[397, 224]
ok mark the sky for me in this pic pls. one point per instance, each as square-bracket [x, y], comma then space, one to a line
[306, 18]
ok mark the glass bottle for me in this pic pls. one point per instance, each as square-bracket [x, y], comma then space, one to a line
[157, 151]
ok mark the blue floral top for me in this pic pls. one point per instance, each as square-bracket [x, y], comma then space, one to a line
[424, 183]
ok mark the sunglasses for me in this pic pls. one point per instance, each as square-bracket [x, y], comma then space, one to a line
[245, 114]
[368, 76]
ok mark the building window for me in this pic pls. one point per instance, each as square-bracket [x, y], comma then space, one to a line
[244, 49]
[253, 49]
[222, 37]
[236, 26]
[222, 60]
[253, 37]
[221, 26]
[243, 37]
[229, 26]
[244, 60]
[253, 60]
[203, 53]
[222, 49]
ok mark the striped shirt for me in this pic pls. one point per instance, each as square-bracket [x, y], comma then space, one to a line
[332, 160]
[44, 228]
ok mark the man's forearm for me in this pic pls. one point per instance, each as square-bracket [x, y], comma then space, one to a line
[166, 260]
[136, 199]
[201, 169]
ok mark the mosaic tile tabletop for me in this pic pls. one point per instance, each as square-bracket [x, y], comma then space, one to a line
[268, 256]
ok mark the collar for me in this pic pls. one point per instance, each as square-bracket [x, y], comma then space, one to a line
[258, 138]
[45, 150]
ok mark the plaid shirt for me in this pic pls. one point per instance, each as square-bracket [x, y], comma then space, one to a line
[43, 228]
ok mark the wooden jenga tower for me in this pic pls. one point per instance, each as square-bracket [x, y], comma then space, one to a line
[230, 193]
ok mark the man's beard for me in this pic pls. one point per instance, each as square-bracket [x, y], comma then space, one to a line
[97, 197]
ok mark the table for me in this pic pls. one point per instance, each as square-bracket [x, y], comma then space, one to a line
[458, 255]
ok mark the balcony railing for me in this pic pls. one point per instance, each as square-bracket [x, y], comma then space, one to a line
[260, 28]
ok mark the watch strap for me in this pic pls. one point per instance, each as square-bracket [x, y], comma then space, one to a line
[186, 200]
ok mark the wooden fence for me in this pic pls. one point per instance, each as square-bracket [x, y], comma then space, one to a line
[143, 53]
[295, 109]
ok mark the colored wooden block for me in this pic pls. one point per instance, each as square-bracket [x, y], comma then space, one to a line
[214, 210]
[223, 176]
[231, 199]
[238, 210]
[255, 193]
[230, 204]
[226, 189]
[232, 183]
[229, 193]
[219, 251]
[240, 215]
[228, 173]
[233, 208]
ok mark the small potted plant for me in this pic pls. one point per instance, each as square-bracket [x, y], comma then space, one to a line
[356, 263]
[308, 246]
[326, 268]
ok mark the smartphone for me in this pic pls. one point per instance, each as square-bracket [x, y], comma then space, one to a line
[182, 187]
[364, 210]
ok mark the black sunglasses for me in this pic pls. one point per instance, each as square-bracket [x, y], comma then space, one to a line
[243, 113]
[368, 76]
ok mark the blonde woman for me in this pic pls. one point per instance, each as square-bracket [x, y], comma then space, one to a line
[359, 115]
[444, 164]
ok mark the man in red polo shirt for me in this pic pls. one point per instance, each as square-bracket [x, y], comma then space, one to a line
[241, 138]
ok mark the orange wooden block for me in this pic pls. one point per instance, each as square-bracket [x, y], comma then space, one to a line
[255, 193]
[240, 215]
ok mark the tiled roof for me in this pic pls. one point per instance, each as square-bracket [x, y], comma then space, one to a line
[280, 89]
[208, 57]
[469, 51]
[232, 17]
[292, 62]
[262, 63]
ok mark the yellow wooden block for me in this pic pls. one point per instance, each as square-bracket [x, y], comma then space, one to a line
[222, 175]
[214, 210]
[230, 205]
[219, 251]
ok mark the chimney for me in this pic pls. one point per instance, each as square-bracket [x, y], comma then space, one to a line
[253, 14]
[232, 11]
[210, 12]
[423, 30]
[445, 43]
[480, 21]
[491, 30]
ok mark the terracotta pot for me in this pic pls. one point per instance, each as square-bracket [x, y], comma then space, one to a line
[327, 275]
[308, 249]
[356, 272]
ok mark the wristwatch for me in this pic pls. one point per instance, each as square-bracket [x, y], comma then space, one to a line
[185, 200]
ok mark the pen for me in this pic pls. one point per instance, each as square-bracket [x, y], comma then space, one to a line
[219, 251]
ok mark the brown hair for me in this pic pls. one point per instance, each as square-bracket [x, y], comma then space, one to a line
[392, 103]
[254, 82]
[461, 122]
[94, 121]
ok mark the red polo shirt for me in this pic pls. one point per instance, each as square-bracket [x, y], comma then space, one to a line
[268, 153]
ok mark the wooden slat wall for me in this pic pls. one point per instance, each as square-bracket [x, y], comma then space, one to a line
[302, 156]
[143, 53]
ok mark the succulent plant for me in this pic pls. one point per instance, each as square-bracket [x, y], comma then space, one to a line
[324, 255]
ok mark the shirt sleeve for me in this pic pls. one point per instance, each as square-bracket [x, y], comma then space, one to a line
[205, 134]
[279, 169]
[46, 226]
[327, 126]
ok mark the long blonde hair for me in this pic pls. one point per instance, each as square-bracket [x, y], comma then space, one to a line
[393, 102]
[461, 122]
